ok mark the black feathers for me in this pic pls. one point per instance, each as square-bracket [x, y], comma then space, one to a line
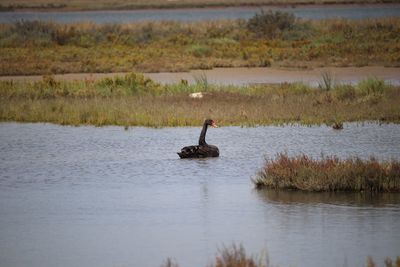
[203, 150]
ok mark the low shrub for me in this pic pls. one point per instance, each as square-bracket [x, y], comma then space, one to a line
[199, 50]
[270, 24]
[344, 92]
[372, 86]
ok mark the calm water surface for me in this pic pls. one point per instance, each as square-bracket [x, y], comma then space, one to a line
[307, 12]
[86, 196]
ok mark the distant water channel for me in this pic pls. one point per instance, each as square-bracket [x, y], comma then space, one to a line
[196, 14]
[87, 196]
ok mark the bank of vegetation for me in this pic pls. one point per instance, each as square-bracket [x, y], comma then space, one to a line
[329, 174]
[267, 39]
[45, 5]
[134, 100]
[236, 256]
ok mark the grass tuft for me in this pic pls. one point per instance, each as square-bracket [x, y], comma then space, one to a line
[201, 82]
[235, 256]
[372, 86]
[327, 82]
[169, 263]
[337, 125]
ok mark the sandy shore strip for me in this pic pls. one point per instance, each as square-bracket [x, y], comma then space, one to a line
[243, 76]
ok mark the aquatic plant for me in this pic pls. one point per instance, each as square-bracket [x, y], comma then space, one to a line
[231, 256]
[329, 174]
[337, 125]
[169, 263]
[236, 256]
[327, 81]
[201, 81]
[388, 262]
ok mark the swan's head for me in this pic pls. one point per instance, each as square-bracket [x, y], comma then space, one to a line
[211, 123]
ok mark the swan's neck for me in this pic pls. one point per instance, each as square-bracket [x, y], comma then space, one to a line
[202, 139]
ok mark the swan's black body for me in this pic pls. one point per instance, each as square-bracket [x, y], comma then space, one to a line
[203, 150]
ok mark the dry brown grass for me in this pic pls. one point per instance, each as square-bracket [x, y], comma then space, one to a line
[49, 48]
[135, 100]
[180, 110]
[232, 256]
[236, 256]
[329, 174]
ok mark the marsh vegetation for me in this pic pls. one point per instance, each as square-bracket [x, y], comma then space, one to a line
[329, 174]
[267, 39]
[134, 100]
[236, 256]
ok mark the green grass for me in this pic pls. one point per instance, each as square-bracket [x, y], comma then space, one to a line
[329, 174]
[327, 81]
[269, 39]
[134, 100]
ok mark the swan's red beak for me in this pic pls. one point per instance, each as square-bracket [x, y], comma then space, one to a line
[214, 125]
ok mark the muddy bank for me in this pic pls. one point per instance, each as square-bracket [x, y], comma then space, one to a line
[242, 76]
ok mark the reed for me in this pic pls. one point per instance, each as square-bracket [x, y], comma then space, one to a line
[327, 81]
[236, 256]
[231, 256]
[134, 100]
[329, 174]
[268, 39]
[388, 262]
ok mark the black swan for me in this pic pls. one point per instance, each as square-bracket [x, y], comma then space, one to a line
[203, 150]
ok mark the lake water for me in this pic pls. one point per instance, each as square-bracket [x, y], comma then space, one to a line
[87, 196]
[307, 12]
[245, 76]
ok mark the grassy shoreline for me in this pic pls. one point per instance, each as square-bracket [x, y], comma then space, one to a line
[329, 174]
[91, 5]
[270, 39]
[134, 100]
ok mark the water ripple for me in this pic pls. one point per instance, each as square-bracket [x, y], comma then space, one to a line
[76, 190]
